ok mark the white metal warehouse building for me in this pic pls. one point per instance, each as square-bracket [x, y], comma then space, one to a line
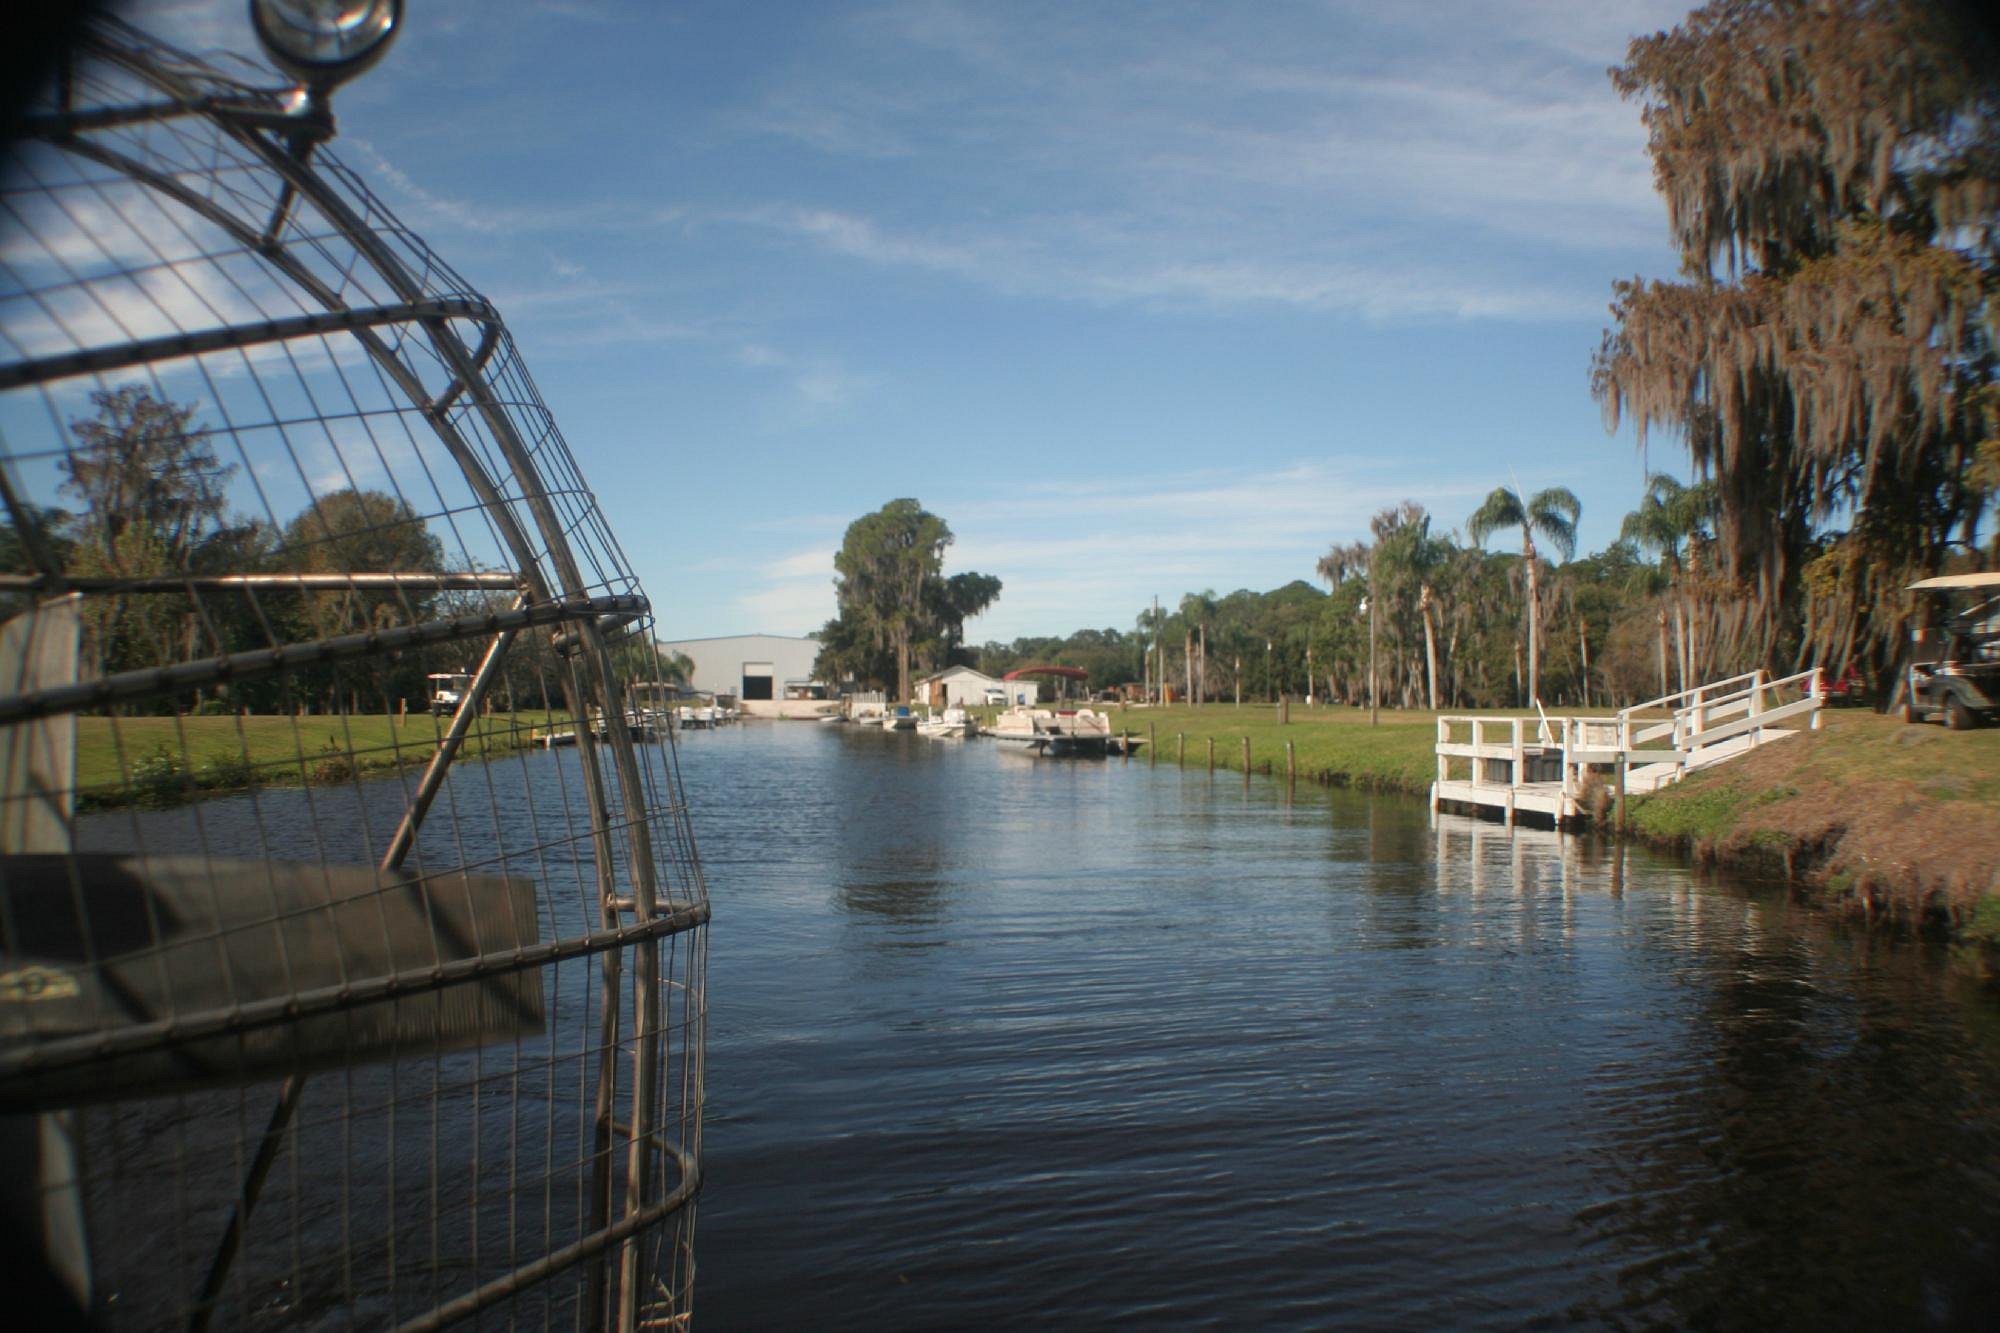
[753, 667]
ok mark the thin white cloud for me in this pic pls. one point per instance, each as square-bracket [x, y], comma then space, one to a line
[427, 204]
[789, 608]
[814, 564]
[1216, 158]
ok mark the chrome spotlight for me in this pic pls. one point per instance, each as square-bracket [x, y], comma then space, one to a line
[322, 43]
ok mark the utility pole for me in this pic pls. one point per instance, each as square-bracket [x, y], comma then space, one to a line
[1160, 663]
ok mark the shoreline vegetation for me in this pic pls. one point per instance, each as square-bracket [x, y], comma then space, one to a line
[163, 761]
[1870, 818]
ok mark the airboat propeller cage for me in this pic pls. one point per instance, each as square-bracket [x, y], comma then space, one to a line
[484, 957]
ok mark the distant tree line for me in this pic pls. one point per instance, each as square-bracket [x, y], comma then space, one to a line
[1454, 625]
[148, 496]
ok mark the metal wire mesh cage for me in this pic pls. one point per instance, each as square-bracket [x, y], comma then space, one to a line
[351, 927]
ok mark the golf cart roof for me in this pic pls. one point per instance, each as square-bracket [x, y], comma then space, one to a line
[1990, 579]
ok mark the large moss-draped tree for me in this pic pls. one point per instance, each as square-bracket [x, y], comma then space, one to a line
[153, 493]
[356, 531]
[1831, 170]
[892, 593]
[1552, 513]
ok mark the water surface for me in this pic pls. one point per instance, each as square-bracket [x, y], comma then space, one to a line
[1095, 1043]
[995, 1040]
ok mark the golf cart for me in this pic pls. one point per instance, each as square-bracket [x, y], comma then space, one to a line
[448, 691]
[1955, 664]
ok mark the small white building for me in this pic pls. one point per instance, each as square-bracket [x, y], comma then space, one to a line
[756, 668]
[966, 687]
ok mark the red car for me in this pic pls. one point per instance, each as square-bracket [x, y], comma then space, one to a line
[1848, 686]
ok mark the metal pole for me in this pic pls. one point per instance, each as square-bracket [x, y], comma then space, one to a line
[1374, 692]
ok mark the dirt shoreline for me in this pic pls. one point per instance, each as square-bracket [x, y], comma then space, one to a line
[1878, 843]
[1867, 817]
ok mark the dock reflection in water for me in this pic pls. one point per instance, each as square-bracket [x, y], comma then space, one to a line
[1103, 1043]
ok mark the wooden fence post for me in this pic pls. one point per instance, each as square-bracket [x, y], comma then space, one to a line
[1621, 793]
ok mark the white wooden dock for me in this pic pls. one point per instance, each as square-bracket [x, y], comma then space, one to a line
[1544, 765]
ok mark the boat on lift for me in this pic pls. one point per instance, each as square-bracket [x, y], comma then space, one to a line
[1056, 732]
[953, 723]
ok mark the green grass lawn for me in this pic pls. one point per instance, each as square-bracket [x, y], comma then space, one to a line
[1854, 758]
[160, 760]
[1329, 743]
[1338, 744]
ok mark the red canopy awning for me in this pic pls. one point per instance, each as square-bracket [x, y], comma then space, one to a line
[1074, 673]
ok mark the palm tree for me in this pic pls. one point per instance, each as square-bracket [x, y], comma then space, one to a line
[1552, 513]
[1407, 557]
[1342, 563]
[1197, 611]
[1670, 519]
[1354, 561]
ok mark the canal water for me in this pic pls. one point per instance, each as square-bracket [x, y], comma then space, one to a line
[998, 1040]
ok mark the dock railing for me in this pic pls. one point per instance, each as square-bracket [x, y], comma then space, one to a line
[1539, 763]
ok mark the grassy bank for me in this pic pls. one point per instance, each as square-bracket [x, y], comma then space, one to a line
[164, 760]
[1330, 745]
[1867, 815]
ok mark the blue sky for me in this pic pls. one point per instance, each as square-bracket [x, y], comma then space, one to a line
[1141, 298]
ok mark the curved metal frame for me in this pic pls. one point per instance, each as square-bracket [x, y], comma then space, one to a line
[552, 592]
